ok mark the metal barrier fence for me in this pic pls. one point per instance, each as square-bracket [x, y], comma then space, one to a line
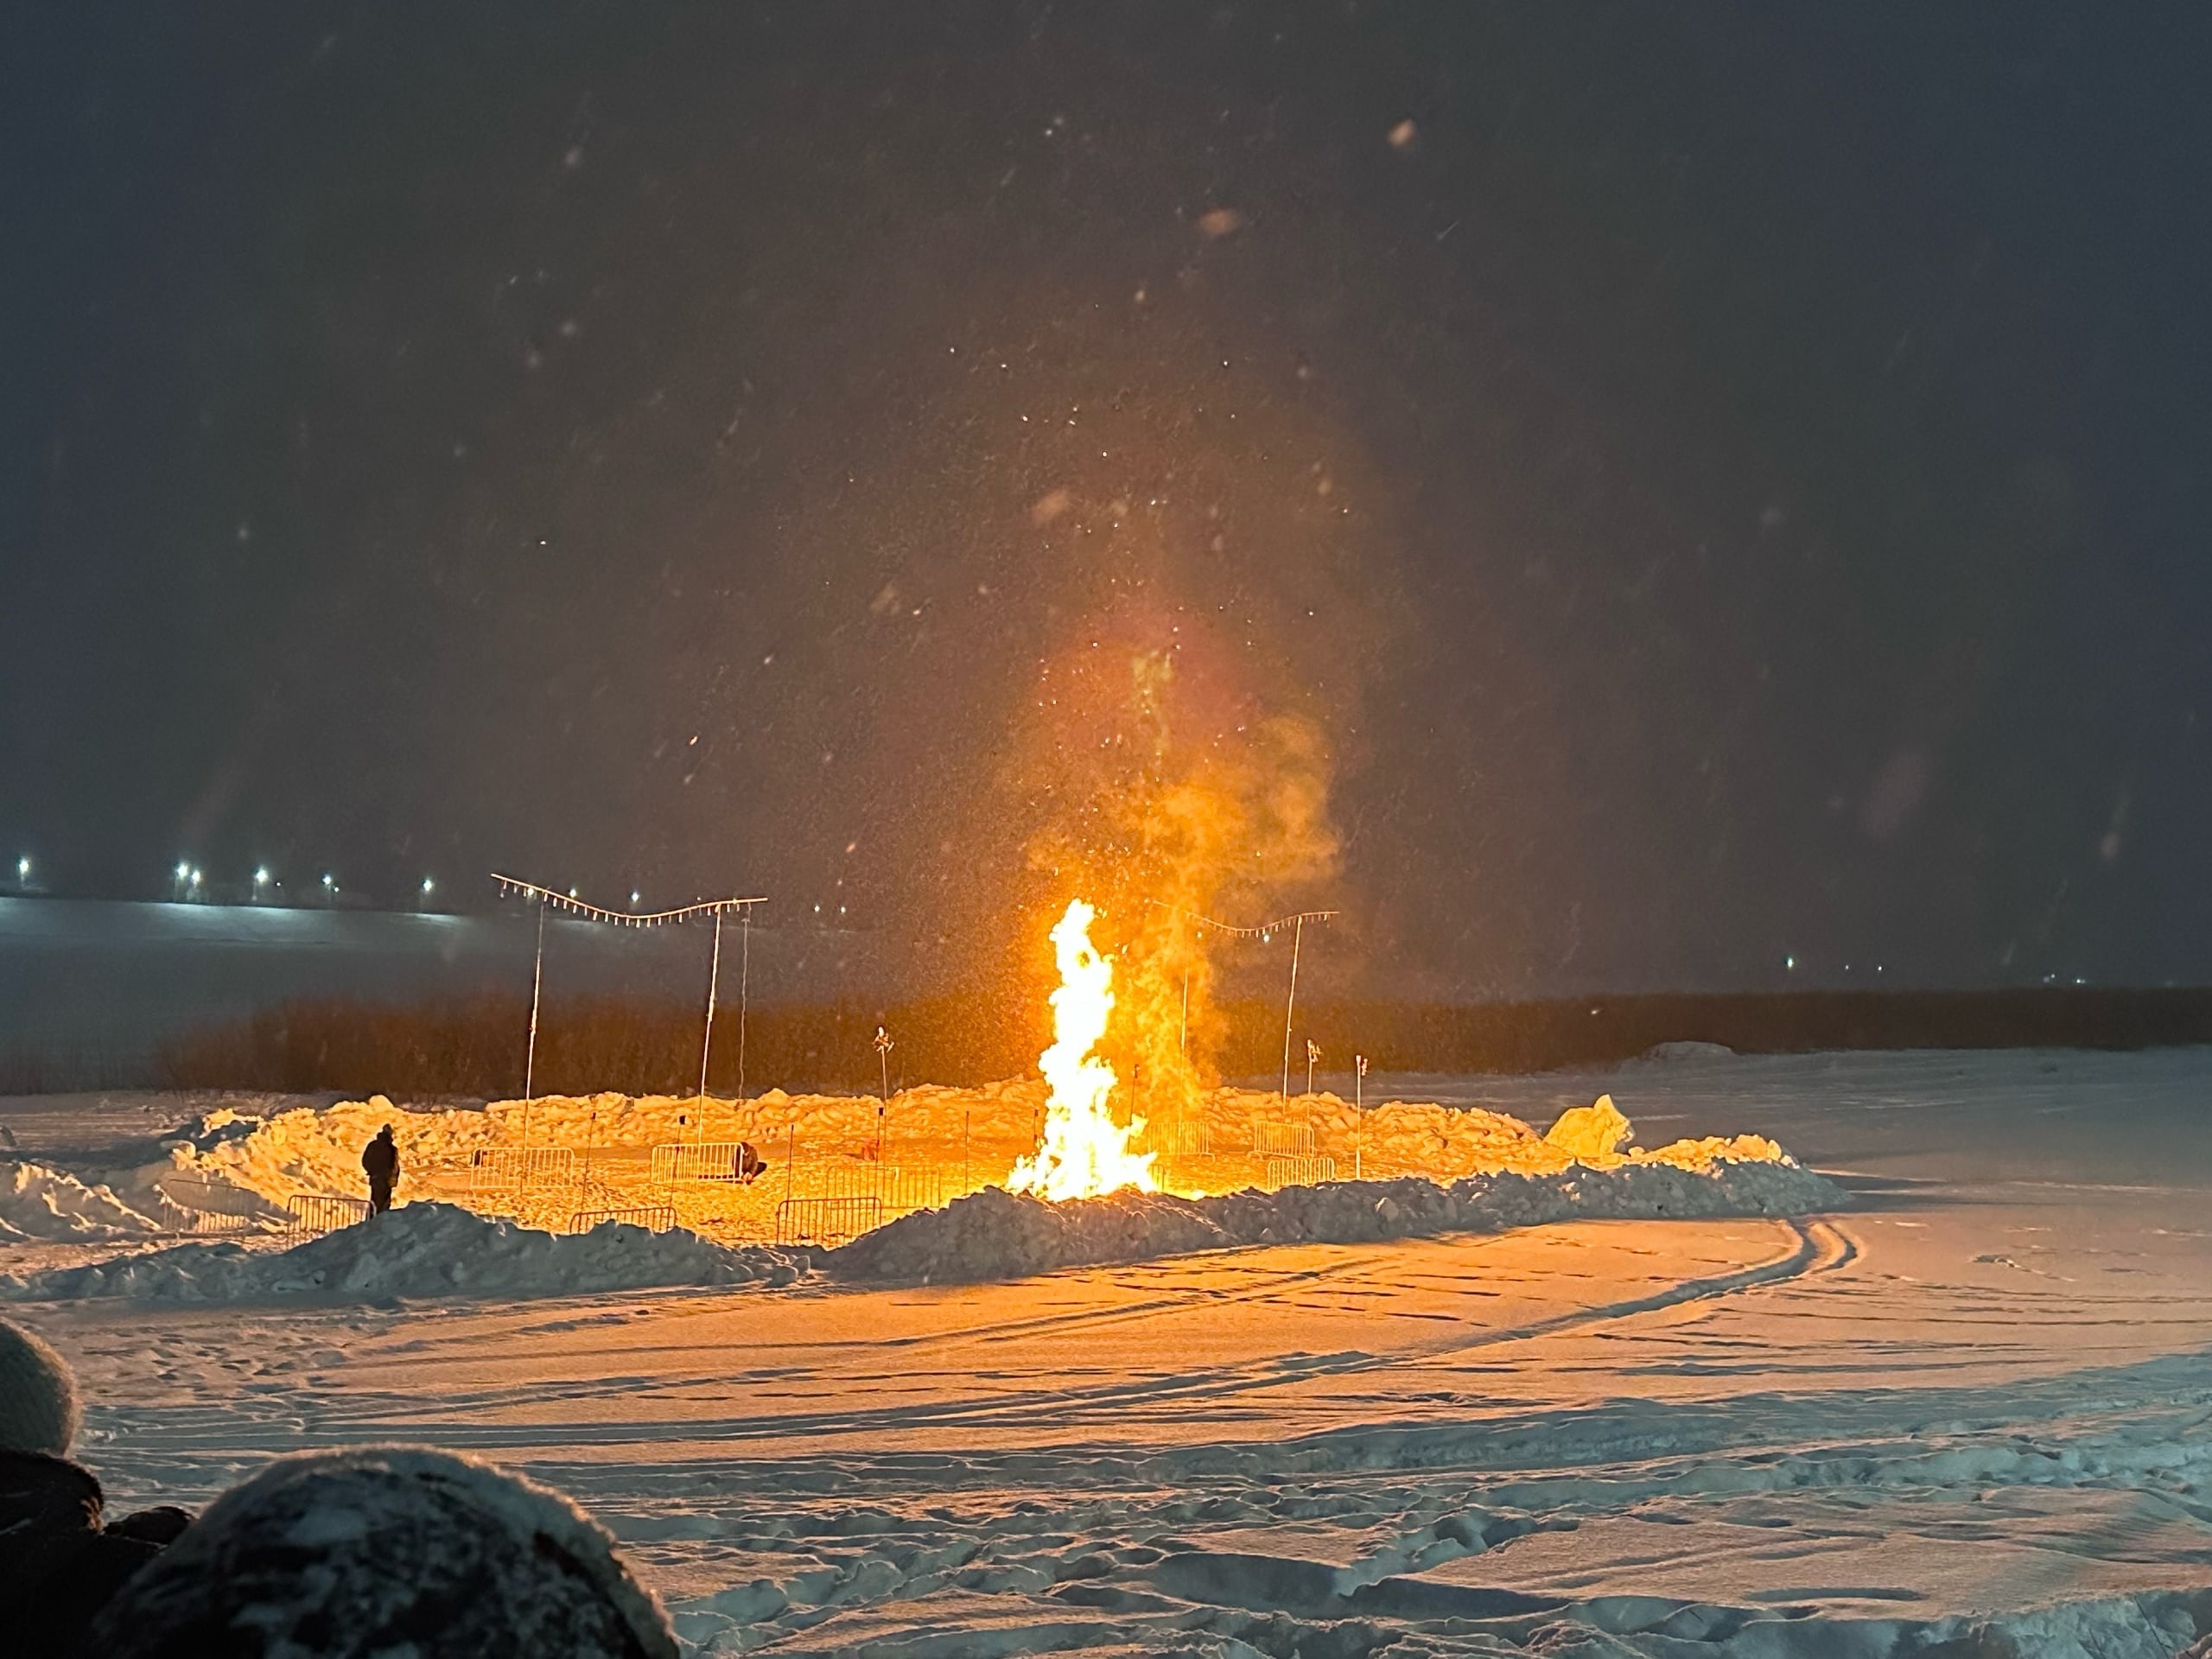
[1179, 1140]
[1300, 1172]
[898, 1192]
[696, 1160]
[654, 1218]
[826, 1222]
[204, 1203]
[322, 1212]
[206, 1222]
[1282, 1140]
[523, 1165]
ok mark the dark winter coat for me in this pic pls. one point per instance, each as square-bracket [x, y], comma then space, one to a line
[58, 1564]
[380, 1158]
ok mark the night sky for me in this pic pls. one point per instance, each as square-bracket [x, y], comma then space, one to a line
[1680, 487]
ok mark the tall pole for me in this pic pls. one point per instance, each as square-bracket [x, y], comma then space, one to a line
[1290, 1009]
[530, 1061]
[707, 1043]
[883, 1099]
[743, 983]
[1359, 1112]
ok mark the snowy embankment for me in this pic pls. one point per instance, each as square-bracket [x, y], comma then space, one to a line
[421, 1250]
[36, 1202]
[995, 1234]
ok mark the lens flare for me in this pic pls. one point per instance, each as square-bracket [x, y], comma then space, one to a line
[1084, 1152]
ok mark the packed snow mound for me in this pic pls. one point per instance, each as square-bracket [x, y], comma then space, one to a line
[318, 1149]
[419, 1249]
[996, 1234]
[1683, 1054]
[36, 1202]
[1592, 1132]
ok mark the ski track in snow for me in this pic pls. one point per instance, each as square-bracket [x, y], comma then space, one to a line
[1973, 1408]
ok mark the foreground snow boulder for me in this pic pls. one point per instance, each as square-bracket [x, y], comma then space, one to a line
[1591, 1133]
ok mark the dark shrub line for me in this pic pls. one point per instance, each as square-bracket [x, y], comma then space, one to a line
[474, 1046]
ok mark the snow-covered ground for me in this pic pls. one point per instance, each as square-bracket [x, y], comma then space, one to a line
[1977, 1395]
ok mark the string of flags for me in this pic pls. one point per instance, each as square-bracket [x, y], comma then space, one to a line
[514, 887]
[1262, 931]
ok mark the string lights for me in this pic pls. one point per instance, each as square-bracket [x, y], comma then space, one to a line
[569, 904]
[512, 886]
[1265, 932]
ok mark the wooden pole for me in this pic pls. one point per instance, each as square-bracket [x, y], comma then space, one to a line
[744, 986]
[707, 1043]
[530, 1059]
[1359, 1112]
[1290, 1009]
[883, 1098]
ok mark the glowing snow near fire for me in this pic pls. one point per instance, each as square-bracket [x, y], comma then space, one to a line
[1084, 1152]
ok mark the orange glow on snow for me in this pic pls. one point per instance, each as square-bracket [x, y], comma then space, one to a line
[1084, 1152]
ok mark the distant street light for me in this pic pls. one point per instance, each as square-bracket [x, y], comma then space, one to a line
[883, 1047]
[427, 884]
[23, 869]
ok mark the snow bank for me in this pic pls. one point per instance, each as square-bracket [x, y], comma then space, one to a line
[36, 1202]
[420, 1250]
[996, 1234]
[1683, 1054]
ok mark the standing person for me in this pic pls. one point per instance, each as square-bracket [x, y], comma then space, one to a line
[380, 1159]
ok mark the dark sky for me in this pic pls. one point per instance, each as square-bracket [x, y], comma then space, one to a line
[1725, 483]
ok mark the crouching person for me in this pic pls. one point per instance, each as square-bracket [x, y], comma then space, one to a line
[60, 1562]
[387, 1550]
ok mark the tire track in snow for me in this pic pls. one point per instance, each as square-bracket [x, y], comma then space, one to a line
[1815, 1247]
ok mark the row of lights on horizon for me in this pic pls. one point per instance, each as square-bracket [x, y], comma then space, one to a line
[191, 881]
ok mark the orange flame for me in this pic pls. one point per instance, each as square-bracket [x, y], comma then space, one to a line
[1084, 1152]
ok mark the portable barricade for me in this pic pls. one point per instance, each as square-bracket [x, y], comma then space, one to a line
[696, 1160]
[215, 1222]
[826, 1222]
[322, 1212]
[654, 1218]
[896, 1191]
[204, 1202]
[495, 1166]
[1179, 1140]
[1282, 1140]
[1300, 1172]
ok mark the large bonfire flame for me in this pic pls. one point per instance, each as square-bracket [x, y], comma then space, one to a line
[1084, 1152]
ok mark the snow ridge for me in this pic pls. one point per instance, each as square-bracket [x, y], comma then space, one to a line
[996, 1234]
[36, 1202]
[419, 1249]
